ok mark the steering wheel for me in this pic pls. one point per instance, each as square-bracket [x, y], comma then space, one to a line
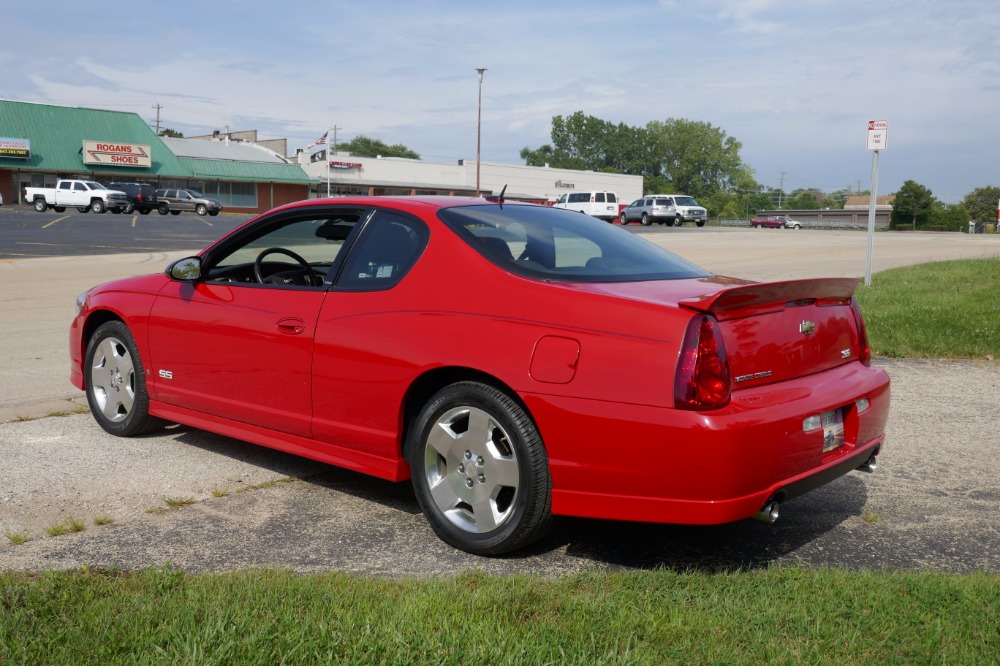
[258, 265]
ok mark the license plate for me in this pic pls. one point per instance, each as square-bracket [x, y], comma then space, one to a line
[833, 429]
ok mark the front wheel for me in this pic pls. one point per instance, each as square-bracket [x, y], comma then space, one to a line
[129, 208]
[480, 471]
[201, 209]
[622, 219]
[678, 221]
[97, 206]
[700, 223]
[116, 383]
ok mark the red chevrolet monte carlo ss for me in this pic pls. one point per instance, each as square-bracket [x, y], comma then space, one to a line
[517, 362]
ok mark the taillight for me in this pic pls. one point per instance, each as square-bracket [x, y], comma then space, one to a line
[139, 197]
[702, 380]
[864, 350]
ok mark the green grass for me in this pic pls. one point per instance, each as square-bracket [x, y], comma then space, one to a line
[779, 616]
[18, 538]
[948, 309]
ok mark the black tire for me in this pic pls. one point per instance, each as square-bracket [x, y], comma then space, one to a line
[213, 213]
[175, 212]
[447, 470]
[644, 221]
[40, 205]
[201, 209]
[700, 223]
[97, 206]
[163, 208]
[116, 382]
[129, 208]
[678, 221]
[622, 219]
[83, 209]
[59, 209]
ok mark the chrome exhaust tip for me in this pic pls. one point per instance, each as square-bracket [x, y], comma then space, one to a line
[769, 514]
[869, 465]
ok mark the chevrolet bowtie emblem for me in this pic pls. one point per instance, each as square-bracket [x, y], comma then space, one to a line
[807, 328]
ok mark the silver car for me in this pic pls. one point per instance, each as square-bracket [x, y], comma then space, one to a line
[175, 201]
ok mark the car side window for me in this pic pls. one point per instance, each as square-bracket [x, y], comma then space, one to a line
[293, 251]
[385, 250]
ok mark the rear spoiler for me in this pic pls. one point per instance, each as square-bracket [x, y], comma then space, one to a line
[763, 297]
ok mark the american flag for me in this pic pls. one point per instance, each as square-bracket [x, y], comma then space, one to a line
[320, 141]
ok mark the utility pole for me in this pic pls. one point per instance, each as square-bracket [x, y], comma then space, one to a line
[334, 130]
[158, 107]
[781, 188]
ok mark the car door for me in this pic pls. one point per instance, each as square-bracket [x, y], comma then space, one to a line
[233, 347]
[358, 377]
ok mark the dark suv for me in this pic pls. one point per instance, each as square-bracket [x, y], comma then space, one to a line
[141, 196]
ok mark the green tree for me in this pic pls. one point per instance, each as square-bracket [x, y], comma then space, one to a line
[698, 158]
[913, 204]
[948, 218]
[805, 199]
[362, 146]
[166, 131]
[981, 203]
[674, 155]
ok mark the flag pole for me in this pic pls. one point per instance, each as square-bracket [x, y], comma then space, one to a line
[328, 158]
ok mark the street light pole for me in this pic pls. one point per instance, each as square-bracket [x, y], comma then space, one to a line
[479, 126]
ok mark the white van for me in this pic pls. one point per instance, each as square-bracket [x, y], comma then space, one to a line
[603, 205]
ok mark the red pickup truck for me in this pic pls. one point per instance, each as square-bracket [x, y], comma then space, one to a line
[775, 222]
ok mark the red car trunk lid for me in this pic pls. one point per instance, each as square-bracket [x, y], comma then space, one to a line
[782, 330]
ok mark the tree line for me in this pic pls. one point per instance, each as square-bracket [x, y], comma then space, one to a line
[699, 159]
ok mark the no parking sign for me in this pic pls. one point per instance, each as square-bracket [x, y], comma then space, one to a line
[878, 134]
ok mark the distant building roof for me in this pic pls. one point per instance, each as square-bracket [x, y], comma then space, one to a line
[863, 201]
[220, 149]
[57, 134]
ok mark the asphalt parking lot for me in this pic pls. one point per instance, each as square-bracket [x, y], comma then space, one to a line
[934, 503]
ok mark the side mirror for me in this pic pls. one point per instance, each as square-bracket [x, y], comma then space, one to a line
[187, 269]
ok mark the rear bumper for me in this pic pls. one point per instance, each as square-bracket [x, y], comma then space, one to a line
[654, 464]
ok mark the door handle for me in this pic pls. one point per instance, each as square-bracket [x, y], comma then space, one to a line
[291, 325]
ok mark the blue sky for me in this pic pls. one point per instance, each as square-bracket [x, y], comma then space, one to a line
[795, 81]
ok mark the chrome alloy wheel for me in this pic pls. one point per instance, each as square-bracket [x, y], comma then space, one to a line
[471, 469]
[112, 378]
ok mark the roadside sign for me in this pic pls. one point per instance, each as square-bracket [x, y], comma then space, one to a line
[878, 134]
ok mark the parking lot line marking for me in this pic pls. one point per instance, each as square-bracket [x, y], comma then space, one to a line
[201, 219]
[58, 219]
[133, 220]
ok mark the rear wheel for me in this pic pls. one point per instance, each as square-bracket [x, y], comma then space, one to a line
[645, 220]
[116, 383]
[480, 470]
[83, 209]
[40, 205]
[163, 208]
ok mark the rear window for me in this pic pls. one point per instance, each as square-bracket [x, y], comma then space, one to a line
[558, 245]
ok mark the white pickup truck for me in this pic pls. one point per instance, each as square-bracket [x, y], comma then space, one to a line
[81, 194]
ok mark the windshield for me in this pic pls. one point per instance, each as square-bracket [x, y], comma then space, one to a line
[564, 246]
[686, 201]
